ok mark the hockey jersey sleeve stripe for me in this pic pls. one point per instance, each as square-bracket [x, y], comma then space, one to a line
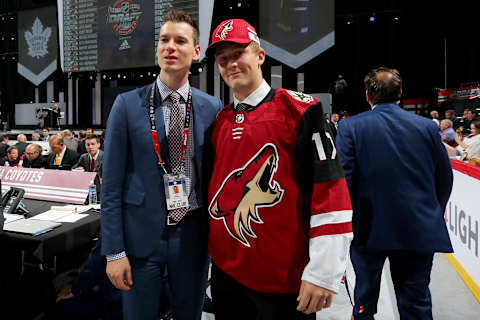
[330, 217]
[330, 196]
[331, 229]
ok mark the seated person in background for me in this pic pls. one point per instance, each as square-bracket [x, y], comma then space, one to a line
[69, 139]
[35, 136]
[91, 295]
[89, 131]
[92, 160]
[60, 155]
[11, 159]
[435, 116]
[21, 144]
[469, 146]
[45, 134]
[34, 157]
[474, 135]
[447, 132]
[450, 115]
[3, 145]
[81, 142]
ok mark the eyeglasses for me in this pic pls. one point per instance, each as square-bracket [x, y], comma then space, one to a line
[30, 153]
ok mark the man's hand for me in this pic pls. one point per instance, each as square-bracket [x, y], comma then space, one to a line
[120, 273]
[313, 298]
[65, 292]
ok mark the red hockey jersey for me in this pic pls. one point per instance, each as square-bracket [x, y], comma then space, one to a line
[279, 205]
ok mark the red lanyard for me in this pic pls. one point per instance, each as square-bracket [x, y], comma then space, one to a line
[186, 127]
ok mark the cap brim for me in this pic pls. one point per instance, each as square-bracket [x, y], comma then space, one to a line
[211, 48]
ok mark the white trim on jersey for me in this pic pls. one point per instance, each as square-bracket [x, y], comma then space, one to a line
[330, 217]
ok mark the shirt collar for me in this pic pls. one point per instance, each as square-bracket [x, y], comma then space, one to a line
[165, 91]
[95, 156]
[256, 96]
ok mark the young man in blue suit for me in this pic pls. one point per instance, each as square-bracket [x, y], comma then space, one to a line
[155, 138]
[399, 177]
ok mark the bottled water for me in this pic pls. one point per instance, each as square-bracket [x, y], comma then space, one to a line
[92, 193]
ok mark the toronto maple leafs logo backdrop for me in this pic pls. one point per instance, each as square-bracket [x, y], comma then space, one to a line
[37, 43]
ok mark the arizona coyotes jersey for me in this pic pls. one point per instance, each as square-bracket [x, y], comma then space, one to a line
[278, 202]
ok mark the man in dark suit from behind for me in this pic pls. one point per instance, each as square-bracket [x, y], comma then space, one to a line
[3, 145]
[69, 139]
[81, 149]
[21, 144]
[34, 157]
[60, 156]
[399, 177]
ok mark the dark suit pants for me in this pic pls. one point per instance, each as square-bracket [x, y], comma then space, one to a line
[184, 254]
[410, 275]
[233, 301]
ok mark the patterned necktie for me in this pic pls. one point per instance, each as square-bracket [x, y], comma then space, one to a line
[243, 107]
[57, 160]
[175, 139]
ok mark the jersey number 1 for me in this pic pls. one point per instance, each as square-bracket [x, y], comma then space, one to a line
[319, 145]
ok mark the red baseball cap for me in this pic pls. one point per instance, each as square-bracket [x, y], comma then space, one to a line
[232, 30]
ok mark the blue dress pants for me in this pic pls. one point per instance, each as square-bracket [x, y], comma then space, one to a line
[184, 253]
[410, 275]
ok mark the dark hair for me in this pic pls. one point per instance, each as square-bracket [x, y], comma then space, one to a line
[10, 149]
[383, 85]
[476, 124]
[450, 111]
[82, 134]
[92, 136]
[3, 137]
[182, 16]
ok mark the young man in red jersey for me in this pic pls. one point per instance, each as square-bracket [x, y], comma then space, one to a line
[280, 212]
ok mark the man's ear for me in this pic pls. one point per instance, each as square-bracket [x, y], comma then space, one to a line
[196, 52]
[261, 57]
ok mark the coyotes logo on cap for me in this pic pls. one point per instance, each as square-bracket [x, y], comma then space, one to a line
[224, 29]
[244, 191]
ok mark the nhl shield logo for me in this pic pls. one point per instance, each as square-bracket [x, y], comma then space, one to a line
[239, 118]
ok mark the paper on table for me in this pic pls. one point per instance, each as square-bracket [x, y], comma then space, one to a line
[71, 208]
[74, 217]
[12, 217]
[52, 215]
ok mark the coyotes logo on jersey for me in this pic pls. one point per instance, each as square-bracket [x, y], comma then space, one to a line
[244, 191]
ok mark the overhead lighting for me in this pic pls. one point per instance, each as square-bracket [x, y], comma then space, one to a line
[372, 18]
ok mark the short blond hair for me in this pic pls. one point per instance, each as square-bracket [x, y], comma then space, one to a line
[255, 46]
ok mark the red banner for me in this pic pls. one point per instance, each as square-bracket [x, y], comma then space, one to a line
[463, 93]
[50, 185]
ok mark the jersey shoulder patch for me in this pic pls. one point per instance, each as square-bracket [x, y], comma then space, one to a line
[300, 96]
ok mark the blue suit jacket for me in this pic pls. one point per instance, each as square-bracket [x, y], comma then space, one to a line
[400, 178]
[133, 199]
